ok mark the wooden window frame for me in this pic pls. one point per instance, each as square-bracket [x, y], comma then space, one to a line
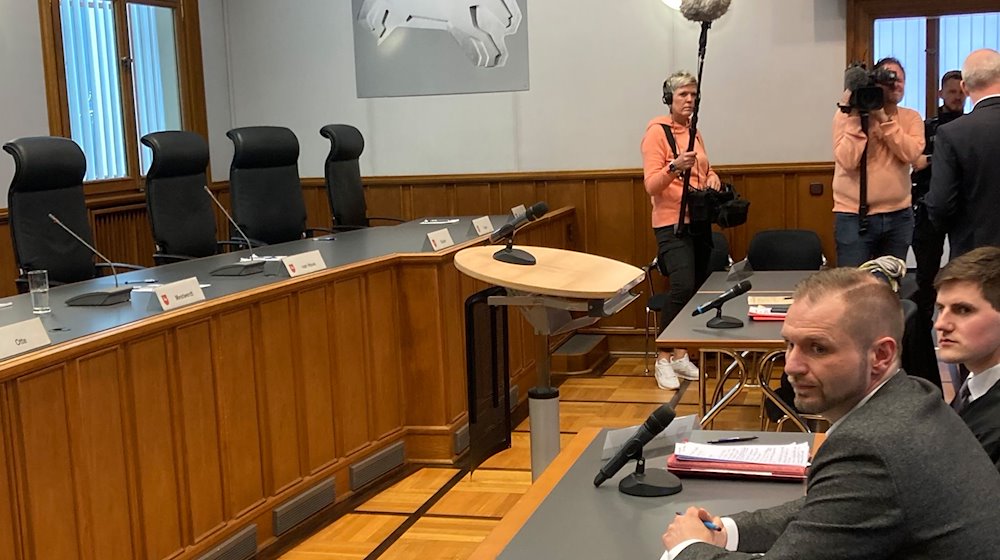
[187, 33]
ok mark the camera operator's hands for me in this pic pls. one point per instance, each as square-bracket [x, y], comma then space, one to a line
[713, 182]
[685, 161]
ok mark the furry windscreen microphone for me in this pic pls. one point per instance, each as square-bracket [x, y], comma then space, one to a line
[704, 10]
[855, 77]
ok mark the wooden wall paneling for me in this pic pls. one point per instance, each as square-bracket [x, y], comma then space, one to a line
[388, 368]
[278, 372]
[316, 381]
[473, 199]
[151, 403]
[419, 322]
[814, 211]
[453, 340]
[388, 202]
[517, 192]
[201, 429]
[10, 530]
[45, 466]
[318, 213]
[123, 234]
[95, 397]
[8, 264]
[429, 200]
[351, 382]
[239, 419]
[611, 222]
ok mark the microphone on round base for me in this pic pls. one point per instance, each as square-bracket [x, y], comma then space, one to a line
[649, 484]
[721, 321]
[514, 256]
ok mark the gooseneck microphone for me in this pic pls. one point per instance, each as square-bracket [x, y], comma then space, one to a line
[737, 290]
[107, 296]
[509, 254]
[721, 321]
[656, 423]
[242, 268]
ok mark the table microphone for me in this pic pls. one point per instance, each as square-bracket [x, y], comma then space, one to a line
[107, 296]
[509, 254]
[242, 268]
[656, 423]
[721, 321]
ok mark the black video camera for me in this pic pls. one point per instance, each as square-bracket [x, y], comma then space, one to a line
[866, 93]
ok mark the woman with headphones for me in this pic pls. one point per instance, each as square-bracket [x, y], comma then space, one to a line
[683, 256]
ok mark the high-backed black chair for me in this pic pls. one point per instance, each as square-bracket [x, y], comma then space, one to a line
[264, 187]
[48, 179]
[785, 249]
[344, 189]
[181, 213]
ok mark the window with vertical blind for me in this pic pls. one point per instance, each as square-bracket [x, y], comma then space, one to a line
[117, 70]
[955, 36]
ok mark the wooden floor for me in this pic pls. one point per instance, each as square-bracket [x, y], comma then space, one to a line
[439, 513]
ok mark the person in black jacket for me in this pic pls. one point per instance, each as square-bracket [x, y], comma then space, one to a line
[968, 327]
[965, 181]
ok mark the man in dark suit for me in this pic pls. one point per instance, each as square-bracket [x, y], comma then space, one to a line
[968, 327]
[899, 476]
[965, 182]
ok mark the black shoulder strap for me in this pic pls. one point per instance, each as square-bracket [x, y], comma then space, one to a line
[687, 174]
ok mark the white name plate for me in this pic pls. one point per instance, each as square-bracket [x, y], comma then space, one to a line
[179, 293]
[483, 225]
[519, 211]
[440, 239]
[304, 263]
[22, 337]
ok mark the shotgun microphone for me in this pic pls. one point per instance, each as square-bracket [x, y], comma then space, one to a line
[704, 10]
[242, 268]
[107, 296]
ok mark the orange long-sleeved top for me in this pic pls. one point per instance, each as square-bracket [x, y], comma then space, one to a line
[895, 145]
[664, 188]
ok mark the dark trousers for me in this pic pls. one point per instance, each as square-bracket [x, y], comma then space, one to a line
[928, 246]
[887, 234]
[684, 259]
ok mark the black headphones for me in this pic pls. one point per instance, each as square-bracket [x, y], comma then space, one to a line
[668, 95]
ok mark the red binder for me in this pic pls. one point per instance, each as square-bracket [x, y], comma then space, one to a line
[718, 469]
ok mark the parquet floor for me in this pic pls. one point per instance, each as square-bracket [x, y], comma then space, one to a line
[439, 513]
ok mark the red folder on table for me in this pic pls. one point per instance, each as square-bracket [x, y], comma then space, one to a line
[717, 469]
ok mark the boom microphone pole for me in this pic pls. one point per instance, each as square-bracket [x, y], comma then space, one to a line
[704, 11]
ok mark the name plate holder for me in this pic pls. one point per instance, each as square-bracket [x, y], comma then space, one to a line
[22, 337]
[439, 239]
[179, 294]
[482, 226]
[303, 263]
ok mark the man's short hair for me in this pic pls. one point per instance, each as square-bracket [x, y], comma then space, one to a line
[871, 309]
[891, 60]
[951, 75]
[980, 266]
[984, 70]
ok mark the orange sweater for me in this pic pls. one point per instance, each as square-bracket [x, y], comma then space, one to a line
[894, 145]
[663, 187]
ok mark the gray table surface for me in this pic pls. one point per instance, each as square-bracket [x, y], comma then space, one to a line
[767, 281]
[578, 521]
[66, 323]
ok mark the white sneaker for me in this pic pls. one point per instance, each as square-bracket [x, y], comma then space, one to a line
[665, 376]
[684, 369]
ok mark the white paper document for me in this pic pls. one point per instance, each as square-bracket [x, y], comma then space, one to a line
[792, 454]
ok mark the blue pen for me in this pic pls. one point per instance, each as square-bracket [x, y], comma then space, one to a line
[708, 524]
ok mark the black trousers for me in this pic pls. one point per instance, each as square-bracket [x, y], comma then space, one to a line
[684, 259]
[919, 358]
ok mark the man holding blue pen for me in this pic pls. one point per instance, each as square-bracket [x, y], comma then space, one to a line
[899, 476]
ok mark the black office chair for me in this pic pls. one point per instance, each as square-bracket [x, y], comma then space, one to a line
[48, 179]
[785, 249]
[343, 178]
[264, 186]
[181, 213]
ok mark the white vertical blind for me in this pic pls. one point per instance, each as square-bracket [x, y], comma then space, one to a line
[906, 40]
[961, 35]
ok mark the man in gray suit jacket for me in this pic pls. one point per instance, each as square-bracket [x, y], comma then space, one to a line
[899, 476]
[965, 183]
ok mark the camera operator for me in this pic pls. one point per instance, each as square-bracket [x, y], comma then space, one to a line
[894, 140]
[684, 257]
